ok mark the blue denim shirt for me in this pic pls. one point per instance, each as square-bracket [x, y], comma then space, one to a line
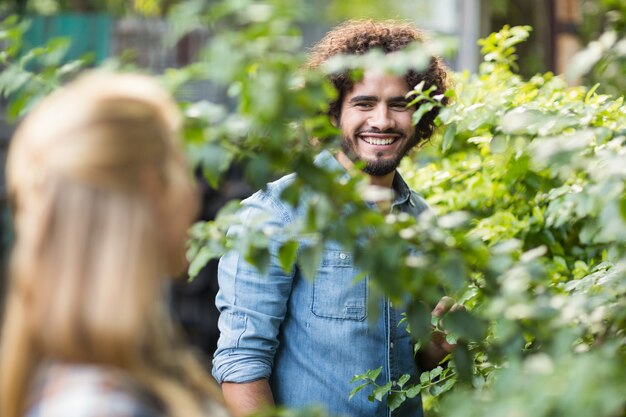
[309, 338]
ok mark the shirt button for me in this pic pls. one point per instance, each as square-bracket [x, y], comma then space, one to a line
[390, 304]
[391, 345]
[343, 255]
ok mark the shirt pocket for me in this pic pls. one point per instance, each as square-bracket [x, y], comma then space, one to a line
[335, 294]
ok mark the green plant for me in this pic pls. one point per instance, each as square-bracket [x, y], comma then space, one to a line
[603, 59]
[27, 76]
[534, 164]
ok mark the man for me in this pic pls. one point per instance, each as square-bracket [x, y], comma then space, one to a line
[293, 342]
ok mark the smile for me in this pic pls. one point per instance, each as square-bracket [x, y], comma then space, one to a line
[379, 140]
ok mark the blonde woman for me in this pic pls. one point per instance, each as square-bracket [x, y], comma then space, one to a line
[101, 200]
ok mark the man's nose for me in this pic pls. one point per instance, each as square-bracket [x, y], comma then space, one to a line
[381, 118]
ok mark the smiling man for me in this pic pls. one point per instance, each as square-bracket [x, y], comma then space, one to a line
[376, 125]
[293, 342]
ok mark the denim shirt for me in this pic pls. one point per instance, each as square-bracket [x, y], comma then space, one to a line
[309, 338]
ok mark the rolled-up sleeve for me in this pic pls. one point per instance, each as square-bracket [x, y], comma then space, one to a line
[252, 305]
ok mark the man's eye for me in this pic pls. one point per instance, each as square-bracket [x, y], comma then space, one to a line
[399, 106]
[363, 104]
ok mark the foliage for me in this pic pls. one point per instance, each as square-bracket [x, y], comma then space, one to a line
[433, 383]
[527, 181]
[27, 76]
[536, 52]
[534, 163]
[117, 7]
[601, 26]
[603, 60]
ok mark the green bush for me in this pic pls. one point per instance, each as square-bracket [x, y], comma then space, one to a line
[538, 167]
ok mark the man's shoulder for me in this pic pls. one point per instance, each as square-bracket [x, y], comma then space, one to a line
[270, 198]
[273, 189]
[277, 187]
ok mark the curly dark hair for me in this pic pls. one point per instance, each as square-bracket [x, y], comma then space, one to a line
[356, 37]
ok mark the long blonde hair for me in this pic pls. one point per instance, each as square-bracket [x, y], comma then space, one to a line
[102, 199]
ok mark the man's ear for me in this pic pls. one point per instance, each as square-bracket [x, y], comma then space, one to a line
[334, 121]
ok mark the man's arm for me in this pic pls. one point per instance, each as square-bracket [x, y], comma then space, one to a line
[247, 398]
[252, 306]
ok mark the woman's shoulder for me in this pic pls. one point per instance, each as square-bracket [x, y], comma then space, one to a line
[71, 390]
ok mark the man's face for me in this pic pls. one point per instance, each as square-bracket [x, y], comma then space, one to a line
[376, 124]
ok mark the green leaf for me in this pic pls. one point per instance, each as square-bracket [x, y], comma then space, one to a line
[448, 137]
[259, 171]
[215, 161]
[199, 261]
[413, 391]
[357, 389]
[418, 315]
[466, 325]
[309, 259]
[421, 111]
[17, 107]
[463, 361]
[12, 79]
[287, 255]
[395, 400]
[403, 380]
[498, 144]
[373, 373]
[258, 257]
[435, 373]
[447, 385]
[381, 391]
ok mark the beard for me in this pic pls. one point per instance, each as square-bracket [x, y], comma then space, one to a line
[379, 167]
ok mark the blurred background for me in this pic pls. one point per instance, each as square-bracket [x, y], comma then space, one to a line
[143, 34]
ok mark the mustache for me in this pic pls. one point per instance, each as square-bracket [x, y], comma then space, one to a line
[378, 131]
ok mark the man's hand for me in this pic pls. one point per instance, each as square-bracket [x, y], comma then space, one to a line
[438, 347]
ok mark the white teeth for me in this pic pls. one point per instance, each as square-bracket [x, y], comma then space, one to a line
[379, 142]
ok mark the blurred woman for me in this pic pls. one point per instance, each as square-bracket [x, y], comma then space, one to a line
[101, 201]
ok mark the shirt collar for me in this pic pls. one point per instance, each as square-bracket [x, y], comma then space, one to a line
[401, 189]
[327, 161]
